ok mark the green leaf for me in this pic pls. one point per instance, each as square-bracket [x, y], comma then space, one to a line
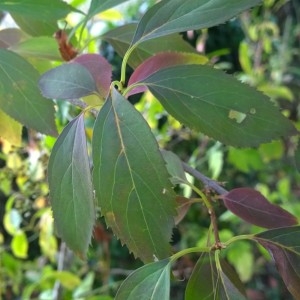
[210, 101]
[67, 81]
[284, 247]
[121, 37]
[131, 180]
[150, 282]
[10, 129]
[19, 245]
[20, 97]
[172, 16]
[251, 206]
[42, 47]
[98, 6]
[38, 9]
[202, 283]
[71, 192]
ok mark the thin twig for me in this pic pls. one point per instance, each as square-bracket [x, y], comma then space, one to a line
[210, 183]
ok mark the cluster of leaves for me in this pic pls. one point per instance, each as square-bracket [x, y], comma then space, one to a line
[130, 181]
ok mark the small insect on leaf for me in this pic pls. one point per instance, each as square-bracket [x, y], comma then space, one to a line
[66, 49]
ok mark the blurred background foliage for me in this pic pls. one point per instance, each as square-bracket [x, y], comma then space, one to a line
[260, 48]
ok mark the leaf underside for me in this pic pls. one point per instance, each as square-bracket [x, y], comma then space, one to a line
[71, 192]
[131, 181]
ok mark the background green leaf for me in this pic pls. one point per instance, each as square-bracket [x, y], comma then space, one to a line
[20, 97]
[71, 192]
[131, 180]
[172, 16]
[121, 37]
[10, 129]
[218, 105]
[150, 282]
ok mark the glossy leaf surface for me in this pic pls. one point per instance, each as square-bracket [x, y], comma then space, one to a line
[42, 9]
[150, 282]
[131, 180]
[71, 192]
[216, 104]
[284, 247]
[20, 97]
[100, 70]
[121, 37]
[67, 81]
[251, 206]
[10, 129]
[172, 16]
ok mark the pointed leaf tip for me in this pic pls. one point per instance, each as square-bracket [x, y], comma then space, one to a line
[253, 207]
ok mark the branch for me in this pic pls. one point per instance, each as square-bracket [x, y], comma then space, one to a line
[210, 183]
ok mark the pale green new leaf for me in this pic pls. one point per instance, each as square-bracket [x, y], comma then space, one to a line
[150, 282]
[71, 192]
[20, 97]
[170, 16]
[131, 181]
[218, 105]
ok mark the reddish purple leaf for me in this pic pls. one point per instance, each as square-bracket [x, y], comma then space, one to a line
[100, 70]
[161, 61]
[253, 207]
[284, 247]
